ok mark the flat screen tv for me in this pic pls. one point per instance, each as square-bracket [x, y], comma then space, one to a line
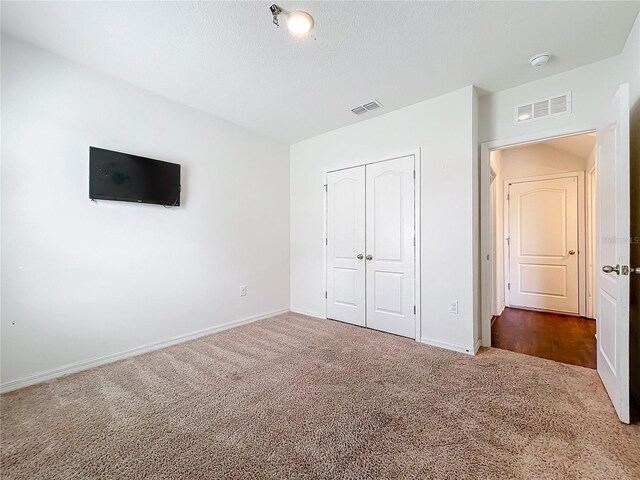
[130, 178]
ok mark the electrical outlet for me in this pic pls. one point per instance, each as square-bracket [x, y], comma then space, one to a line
[243, 291]
[453, 306]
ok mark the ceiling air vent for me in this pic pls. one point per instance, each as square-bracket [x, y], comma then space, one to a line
[367, 107]
[541, 109]
[524, 112]
[548, 107]
[372, 105]
[561, 104]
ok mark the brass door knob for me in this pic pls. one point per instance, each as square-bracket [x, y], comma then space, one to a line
[572, 252]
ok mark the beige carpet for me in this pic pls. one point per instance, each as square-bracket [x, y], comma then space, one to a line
[296, 397]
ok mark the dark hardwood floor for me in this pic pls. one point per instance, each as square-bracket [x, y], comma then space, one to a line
[562, 338]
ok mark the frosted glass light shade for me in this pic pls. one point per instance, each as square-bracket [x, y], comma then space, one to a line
[299, 22]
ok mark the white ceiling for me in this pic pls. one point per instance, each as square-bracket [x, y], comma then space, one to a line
[578, 145]
[228, 59]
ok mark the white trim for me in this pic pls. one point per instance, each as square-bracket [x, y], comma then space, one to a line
[493, 219]
[309, 314]
[506, 247]
[417, 185]
[476, 346]
[95, 362]
[417, 163]
[448, 346]
[582, 250]
[590, 195]
[485, 241]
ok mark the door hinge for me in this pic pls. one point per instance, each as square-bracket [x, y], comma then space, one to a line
[325, 294]
[414, 240]
[509, 241]
[508, 286]
[508, 196]
[414, 174]
[414, 309]
[326, 241]
[326, 187]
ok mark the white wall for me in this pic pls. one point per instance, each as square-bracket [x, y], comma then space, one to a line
[443, 129]
[475, 198]
[592, 87]
[83, 280]
[497, 189]
[591, 159]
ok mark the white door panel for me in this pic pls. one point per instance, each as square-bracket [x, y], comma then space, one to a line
[613, 232]
[543, 244]
[345, 241]
[390, 246]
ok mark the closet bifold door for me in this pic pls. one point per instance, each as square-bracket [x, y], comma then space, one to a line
[390, 256]
[346, 245]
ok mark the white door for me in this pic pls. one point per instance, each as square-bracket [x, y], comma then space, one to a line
[390, 246]
[612, 260]
[543, 244]
[346, 245]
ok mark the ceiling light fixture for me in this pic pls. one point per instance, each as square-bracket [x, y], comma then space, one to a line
[298, 22]
[540, 59]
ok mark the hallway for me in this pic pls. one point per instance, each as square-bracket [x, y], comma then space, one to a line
[562, 338]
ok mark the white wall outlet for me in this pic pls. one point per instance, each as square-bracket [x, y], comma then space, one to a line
[453, 306]
[243, 291]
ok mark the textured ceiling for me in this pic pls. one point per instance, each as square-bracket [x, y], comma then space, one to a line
[227, 58]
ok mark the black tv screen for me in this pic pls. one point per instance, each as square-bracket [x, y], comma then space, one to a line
[130, 178]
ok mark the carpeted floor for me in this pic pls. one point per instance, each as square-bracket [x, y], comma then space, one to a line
[297, 397]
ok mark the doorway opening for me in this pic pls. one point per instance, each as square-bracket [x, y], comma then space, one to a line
[542, 241]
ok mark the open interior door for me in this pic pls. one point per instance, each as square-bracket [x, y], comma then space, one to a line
[613, 231]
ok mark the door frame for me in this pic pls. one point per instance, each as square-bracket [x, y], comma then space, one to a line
[590, 215]
[417, 163]
[495, 305]
[582, 250]
[486, 236]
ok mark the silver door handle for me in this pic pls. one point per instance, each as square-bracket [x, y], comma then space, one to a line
[360, 256]
[610, 269]
[572, 252]
[369, 257]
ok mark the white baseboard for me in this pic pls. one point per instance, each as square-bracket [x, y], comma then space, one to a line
[310, 314]
[448, 346]
[95, 362]
[476, 346]
[499, 312]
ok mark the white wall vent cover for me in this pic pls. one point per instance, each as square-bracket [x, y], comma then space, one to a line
[366, 107]
[548, 107]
